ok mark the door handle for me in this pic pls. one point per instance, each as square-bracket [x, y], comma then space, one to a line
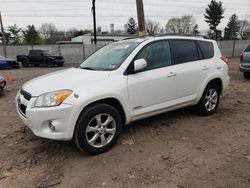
[205, 68]
[171, 74]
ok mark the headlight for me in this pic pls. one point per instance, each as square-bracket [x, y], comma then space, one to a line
[54, 98]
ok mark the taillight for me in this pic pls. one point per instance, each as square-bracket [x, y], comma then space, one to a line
[241, 57]
[223, 58]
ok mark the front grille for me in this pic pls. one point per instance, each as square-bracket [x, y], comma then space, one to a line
[26, 95]
[22, 109]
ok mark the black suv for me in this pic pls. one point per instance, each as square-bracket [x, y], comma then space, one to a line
[40, 57]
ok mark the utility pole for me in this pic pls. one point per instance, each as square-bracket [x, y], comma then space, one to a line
[94, 19]
[140, 16]
[3, 36]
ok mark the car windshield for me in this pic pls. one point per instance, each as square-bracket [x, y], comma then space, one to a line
[47, 52]
[109, 57]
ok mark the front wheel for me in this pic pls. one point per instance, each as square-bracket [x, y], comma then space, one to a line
[59, 64]
[209, 101]
[50, 63]
[98, 129]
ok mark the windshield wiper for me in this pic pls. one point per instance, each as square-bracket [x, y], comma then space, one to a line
[87, 68]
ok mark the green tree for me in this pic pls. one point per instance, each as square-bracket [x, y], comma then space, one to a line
[31, 35]
[233, 28]
[213, 15]
[15, 37]
[131, 26]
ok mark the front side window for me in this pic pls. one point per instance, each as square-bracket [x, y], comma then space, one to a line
[109, 57]
[157, 55]
[184, 51]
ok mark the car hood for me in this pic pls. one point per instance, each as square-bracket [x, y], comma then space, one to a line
[65, 79]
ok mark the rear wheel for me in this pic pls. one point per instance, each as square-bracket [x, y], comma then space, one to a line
[209, 101]
[98, 129]
[59, 64]
[247, 75]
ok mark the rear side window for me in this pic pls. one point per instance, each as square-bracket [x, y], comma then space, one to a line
[35, 52]
[207, 49]
[184, 51]
[247, 49]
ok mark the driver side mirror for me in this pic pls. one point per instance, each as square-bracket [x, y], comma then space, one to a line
[139, 64]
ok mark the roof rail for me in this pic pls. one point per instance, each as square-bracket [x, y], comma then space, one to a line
[180, 34]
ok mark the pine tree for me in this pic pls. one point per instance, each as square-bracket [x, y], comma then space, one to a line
[31, 35]
[214, 14]
[233, 28]
[131, 26]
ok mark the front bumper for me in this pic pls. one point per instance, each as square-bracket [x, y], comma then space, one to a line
[39, 119]
[244, 67]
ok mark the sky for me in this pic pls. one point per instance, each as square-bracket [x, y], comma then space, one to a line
[67, 14]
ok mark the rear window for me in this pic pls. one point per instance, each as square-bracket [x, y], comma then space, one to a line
[35, 52]
[207, 49]
[247, 49]
[184, 51]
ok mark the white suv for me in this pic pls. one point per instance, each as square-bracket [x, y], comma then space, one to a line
[120, 83]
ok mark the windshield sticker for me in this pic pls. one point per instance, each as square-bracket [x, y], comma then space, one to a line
[121, 47]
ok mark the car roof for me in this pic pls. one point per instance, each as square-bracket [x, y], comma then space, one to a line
[153, 38]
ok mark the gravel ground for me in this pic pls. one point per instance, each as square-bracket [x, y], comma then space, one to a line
[177, 149]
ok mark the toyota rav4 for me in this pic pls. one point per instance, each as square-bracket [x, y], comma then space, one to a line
[120, 83]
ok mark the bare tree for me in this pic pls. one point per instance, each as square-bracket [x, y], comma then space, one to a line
[48, 31]
[184, 25]
[244, 27]
[152, 27]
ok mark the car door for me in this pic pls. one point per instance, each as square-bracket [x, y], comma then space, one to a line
[35, 56]
[190, 69]
[151, 88]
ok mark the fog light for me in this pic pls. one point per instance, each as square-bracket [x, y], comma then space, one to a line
[52, 126]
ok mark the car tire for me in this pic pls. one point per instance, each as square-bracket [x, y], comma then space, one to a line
[59, 64]
[50, 63]
[209, 101]
[98, 129]
[247, 75]
[25, 63]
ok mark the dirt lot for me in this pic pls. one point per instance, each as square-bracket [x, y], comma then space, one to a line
[176, 149]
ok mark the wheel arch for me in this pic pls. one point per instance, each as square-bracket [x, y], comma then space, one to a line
[110, 101]
[217, 80]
